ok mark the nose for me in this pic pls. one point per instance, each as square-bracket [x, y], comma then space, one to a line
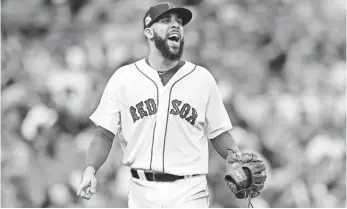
[175, 24]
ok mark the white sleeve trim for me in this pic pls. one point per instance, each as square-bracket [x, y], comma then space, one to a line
[112, 126]
[219, 131]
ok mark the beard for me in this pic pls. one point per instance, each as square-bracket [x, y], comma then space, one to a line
[164, 48]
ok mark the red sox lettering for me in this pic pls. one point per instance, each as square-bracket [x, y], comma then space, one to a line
[186, 111]
[138, 111]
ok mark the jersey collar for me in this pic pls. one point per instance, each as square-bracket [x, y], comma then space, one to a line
[183, 70]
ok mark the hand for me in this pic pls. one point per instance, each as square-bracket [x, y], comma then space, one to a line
[88, 183]
[234, 153]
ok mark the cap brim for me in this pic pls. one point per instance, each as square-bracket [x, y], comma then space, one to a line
[183, 13]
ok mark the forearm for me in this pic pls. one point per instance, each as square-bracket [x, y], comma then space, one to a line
[223, 143]
[99, 148]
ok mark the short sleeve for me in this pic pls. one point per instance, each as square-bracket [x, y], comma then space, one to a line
[107, 114]
[217, 118]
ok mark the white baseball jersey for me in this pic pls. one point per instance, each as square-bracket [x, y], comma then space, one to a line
[163, 128]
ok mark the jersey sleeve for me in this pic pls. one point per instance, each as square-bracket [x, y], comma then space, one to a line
[107, 114]
[217, 118]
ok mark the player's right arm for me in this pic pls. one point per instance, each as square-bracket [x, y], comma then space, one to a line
[97, 154]
[107, 117]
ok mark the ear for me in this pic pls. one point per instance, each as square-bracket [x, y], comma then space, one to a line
[148, 33]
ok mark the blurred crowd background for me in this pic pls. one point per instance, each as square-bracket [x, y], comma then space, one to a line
[280, 65]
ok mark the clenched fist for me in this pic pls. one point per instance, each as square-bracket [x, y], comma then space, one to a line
[88, 183]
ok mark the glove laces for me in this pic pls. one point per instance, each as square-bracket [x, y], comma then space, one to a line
[249, 199]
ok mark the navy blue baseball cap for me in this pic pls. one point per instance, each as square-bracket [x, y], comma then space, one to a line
[156, 11]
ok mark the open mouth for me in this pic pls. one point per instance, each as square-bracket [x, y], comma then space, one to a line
[175, 37]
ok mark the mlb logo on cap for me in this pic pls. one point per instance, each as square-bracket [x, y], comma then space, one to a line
[148, 20]
[156, 11]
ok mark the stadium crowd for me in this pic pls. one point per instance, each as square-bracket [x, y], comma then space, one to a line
[280, 66]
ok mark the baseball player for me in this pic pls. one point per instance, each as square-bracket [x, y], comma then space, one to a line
[164, 110]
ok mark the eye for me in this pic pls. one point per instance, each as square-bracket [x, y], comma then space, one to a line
[165, 20]
[180, 21]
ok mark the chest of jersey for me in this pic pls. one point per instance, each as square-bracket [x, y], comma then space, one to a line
[184, 96]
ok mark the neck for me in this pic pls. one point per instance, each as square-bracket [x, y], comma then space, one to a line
[157, 61]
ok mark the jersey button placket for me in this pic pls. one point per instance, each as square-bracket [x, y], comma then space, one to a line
[160, 129]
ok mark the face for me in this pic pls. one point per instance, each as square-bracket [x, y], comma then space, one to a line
[168, 36]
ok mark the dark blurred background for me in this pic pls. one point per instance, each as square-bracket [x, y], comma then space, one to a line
[280, 65]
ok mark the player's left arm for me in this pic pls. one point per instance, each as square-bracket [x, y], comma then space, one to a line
[218, 124]
[224, 142]
[245, 173]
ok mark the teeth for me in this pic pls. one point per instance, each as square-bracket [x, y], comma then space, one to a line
[175, 35]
